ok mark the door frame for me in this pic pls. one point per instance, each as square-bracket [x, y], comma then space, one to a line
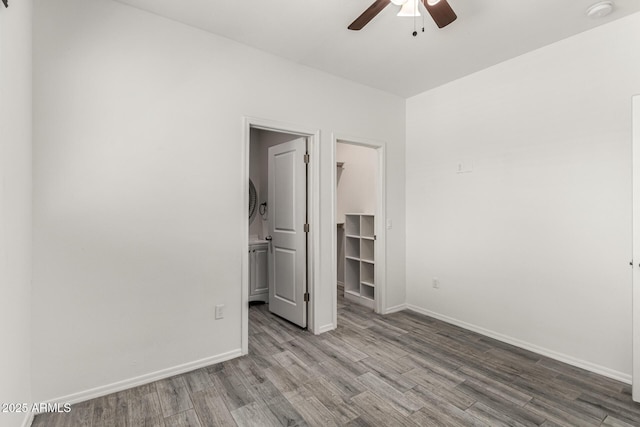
[313, 193]
[635, 257]
[380, 223]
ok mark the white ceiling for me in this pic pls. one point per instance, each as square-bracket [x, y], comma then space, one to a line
[384, 54]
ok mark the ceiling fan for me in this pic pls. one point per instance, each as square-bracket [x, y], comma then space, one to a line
[439, 10]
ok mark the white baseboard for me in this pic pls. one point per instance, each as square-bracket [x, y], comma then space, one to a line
[602, 370]
[145, 379]
[395, 309]
[326, 328]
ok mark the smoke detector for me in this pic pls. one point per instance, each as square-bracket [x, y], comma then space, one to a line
[600, 9]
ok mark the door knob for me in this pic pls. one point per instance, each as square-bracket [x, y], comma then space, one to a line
[268, 238]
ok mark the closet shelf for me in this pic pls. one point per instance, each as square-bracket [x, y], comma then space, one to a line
[359, 268]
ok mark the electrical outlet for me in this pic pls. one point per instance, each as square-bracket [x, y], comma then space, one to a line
[436, 283]
[219, 311]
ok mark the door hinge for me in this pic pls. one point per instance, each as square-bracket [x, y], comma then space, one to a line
[306, 157]
[306, 228]
[306, 297]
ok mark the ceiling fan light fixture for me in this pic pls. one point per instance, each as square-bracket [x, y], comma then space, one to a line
[600, 9]
[410, 9]
[440, 11]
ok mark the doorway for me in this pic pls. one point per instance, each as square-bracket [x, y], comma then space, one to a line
[278, 258]
[360, 223]
[278, 169]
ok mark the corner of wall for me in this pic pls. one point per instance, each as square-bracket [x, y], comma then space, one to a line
[16, 207]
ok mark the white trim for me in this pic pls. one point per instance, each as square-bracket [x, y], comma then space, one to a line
[598, 369]
[244, 236]
[314, 232]
[326, 328]
[145, 379]
[313, 186]
[334, 236]
[395, 309]
[380, 229]
[635, 247]
[28, 420]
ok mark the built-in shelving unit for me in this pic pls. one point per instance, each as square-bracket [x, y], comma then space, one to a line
[359, 259]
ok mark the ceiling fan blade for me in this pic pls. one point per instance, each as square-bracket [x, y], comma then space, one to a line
[369, 14]
[441, 12]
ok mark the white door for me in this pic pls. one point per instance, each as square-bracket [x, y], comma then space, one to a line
[636, 249]
[287, 217]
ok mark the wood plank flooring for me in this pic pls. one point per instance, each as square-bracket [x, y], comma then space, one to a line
[402, 369]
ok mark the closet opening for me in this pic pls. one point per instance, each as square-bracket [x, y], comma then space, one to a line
[359, 217]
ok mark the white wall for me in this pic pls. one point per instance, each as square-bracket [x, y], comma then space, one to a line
[534, 244]
[137, 179]
[357, 180]
[15, 206]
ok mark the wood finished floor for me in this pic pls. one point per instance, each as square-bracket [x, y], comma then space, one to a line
[402, 369]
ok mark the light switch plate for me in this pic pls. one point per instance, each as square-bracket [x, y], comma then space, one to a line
[219, 311]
